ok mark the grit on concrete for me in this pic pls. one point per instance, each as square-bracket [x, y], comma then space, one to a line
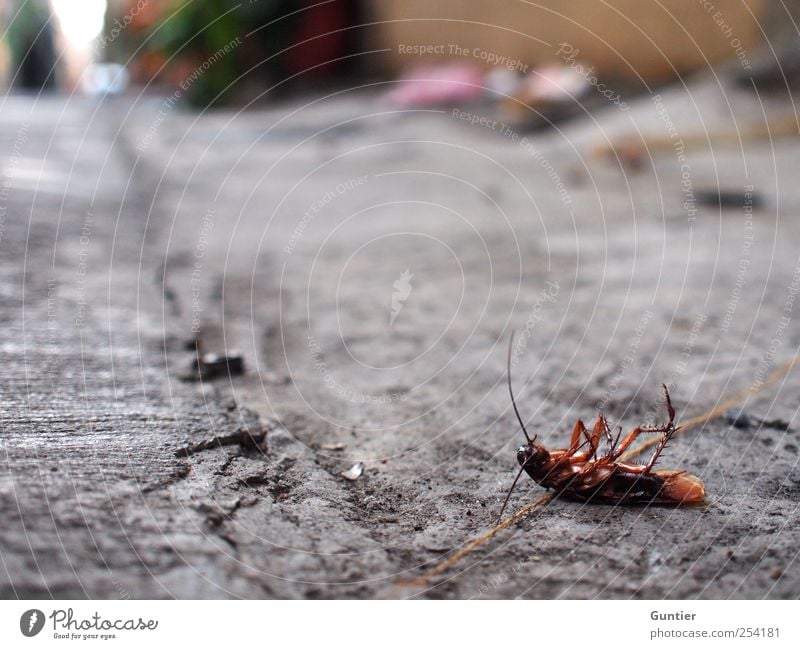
[370, 265]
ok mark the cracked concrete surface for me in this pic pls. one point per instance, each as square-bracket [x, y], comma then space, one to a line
[120, 478]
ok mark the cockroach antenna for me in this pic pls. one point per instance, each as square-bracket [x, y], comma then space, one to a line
[508, 495]
[522, 425]
[511, 391]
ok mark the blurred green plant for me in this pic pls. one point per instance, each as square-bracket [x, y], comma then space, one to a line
[30, 41]
[237, 37]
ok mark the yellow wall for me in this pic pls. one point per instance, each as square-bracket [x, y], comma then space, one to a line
[623, 38]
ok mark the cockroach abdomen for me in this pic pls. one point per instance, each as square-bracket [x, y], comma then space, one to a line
[681, 487]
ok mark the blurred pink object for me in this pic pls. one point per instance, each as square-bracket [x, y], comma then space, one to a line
[553, 83]
[438, 84]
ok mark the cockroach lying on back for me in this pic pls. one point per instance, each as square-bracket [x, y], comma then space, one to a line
[578, 473]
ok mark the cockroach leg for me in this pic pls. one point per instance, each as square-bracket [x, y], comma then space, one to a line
[606, 431]
[576, 457]
[668, 429]
[670, 409]
[592, 440]
[599, 428]
[616, 440]
[575, 445]
[577, 432]
[660, 448]
[634, 434]
[623, 446]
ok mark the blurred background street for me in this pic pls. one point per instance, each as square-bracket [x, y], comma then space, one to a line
[261, 263]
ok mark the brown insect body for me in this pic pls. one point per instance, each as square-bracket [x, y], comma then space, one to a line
[579, 473]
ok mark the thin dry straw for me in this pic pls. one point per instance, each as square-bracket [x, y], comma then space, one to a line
[444, 565]
[687, 425]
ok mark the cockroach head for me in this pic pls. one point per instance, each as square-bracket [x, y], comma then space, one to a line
[528, 456]
[532, 454]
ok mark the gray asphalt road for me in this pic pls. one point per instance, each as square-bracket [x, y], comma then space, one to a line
[369, 264]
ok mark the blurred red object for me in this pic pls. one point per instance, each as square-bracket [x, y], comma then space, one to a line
[320, 39]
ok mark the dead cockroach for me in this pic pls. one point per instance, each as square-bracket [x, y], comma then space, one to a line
[578, 473]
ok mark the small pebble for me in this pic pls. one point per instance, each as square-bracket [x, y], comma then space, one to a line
[728, 198]
[737, 418]
[354, 472]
